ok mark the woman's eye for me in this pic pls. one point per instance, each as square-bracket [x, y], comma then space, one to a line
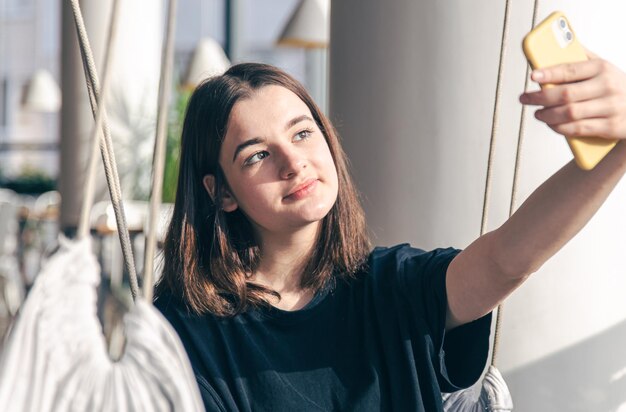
[304, 134]
[255, 158]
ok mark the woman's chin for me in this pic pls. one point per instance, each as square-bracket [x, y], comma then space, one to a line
[307, 218]
[315, 214]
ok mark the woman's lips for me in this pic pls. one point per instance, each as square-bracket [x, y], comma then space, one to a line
[303, 190]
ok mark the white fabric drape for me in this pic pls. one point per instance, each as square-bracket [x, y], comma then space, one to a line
[494, 396]
[55, 358]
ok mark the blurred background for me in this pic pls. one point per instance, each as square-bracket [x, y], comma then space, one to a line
[410, 87]
[44, 138]
[31, 51]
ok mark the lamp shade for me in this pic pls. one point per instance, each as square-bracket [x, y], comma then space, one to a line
[309, 26]
[42, 93]
[208, 60]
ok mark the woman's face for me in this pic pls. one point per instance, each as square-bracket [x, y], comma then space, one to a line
[277, 163]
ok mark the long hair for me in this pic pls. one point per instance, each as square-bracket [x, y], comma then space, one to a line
[210, 254]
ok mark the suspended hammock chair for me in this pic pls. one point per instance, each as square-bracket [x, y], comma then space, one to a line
[56, 357]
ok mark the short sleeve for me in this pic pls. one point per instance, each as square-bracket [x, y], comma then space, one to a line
[460, 355]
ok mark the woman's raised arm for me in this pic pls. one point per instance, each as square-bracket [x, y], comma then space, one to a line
[589, 99]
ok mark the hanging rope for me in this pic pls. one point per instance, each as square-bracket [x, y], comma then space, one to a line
[513, 203]
[158, 161]
[522, 125]
[106, 148]
[95, 137]
[495, 119]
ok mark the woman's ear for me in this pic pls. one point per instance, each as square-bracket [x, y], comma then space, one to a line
[227, 201]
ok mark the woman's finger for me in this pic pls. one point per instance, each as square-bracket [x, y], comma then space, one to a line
[569, 72]
[589, 127]
[567, 113]
[566, 93]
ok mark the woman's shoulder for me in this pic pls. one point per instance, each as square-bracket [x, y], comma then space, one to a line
[404, 262]
[170, 305]
[398, 254]
[165, 303]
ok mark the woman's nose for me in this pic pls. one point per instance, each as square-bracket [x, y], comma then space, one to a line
[292, 164]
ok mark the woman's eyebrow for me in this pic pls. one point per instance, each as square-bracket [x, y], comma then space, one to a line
[249, 142]
[291, 123]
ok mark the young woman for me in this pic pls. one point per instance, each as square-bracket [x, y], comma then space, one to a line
[269, 279]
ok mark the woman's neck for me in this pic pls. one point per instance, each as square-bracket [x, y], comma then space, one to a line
[283, 258]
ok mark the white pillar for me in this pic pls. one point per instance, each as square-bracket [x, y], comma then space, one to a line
[412, 86]
[132, 98]
[75, 115]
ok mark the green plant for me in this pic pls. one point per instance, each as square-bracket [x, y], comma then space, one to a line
[30, 181]
[172, 156]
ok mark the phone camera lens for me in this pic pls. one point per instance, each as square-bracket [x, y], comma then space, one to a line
[568, 36]
[562, 23]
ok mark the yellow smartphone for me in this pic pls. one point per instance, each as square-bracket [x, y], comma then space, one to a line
[553, 42]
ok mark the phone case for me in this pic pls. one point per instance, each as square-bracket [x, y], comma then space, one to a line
[543, 47]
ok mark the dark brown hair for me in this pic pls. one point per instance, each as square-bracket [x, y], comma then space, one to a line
[209, 254]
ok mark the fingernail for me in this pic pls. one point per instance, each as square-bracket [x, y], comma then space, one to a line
[522, 98]
[537, 75]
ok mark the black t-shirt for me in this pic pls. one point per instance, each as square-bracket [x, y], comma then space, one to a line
[373, 343]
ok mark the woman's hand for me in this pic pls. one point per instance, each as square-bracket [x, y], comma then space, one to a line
[588, 98]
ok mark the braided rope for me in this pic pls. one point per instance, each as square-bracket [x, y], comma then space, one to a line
[95, 139]
[495, 119]
[106, 148]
